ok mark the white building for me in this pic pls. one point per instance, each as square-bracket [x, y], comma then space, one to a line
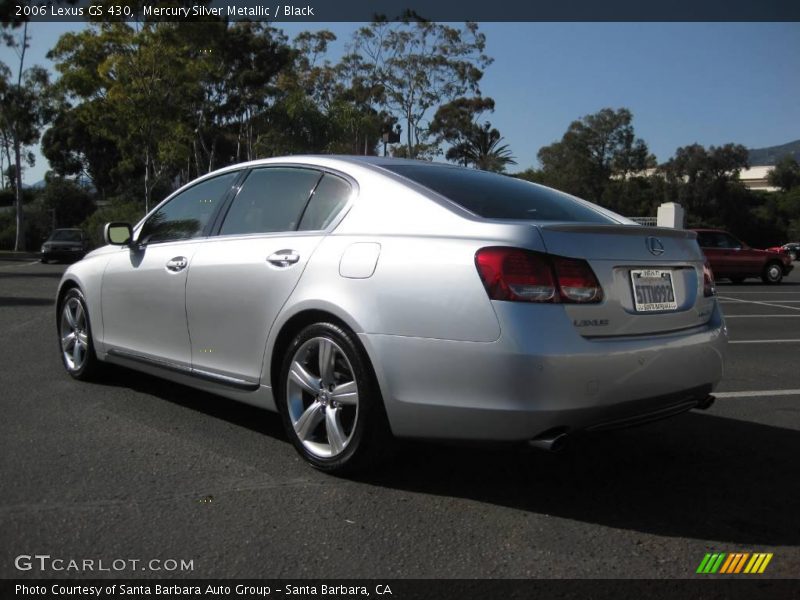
[755, 178]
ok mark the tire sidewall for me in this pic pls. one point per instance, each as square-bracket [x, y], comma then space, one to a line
[768, 273]
[89, 364]
[369, 401]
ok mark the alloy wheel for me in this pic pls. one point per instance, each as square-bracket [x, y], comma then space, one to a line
[322, 397]
[74, 332]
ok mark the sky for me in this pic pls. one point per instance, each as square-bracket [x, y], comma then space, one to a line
[705, 83]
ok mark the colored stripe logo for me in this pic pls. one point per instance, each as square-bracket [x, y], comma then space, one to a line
[735, 563]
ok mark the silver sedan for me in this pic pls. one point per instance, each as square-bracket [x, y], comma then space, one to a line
[367, 298]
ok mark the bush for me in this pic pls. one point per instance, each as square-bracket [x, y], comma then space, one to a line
[72, 203]
[127, 212]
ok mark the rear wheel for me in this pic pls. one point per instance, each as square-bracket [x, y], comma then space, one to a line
[773, 273]
[75, 336]
[330, 402]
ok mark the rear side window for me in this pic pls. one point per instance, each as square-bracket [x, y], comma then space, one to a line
[270, 200]
[186, 215]
[329, 198]
[494, 196]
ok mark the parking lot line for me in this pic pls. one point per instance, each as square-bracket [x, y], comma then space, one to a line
[35, 262]
[757, 393]
[781, 301]
[762, 303]
[797, 341]
[762, 316]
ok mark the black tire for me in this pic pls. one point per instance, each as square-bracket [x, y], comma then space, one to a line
[45, 260]
[773, 273]
[359, 436]
[736, 280]
[73, 330]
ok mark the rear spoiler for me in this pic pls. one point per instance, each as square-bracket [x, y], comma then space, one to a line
[638, 230]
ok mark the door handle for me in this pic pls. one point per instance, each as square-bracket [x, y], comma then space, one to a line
[283, 258]
[176, 264]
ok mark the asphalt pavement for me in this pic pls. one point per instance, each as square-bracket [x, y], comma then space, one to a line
[132, 468]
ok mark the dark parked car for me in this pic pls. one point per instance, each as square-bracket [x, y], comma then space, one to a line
[732, 259]
[65, 244]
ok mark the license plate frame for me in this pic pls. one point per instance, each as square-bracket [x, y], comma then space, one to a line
[653, 290]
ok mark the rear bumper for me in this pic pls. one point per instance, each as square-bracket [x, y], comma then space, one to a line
[548, 377]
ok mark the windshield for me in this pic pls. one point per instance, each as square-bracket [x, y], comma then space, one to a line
[494, 196]
[66, 235]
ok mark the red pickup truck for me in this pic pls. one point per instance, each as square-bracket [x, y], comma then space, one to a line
[732, 259]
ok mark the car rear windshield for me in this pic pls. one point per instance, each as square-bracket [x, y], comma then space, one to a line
[493, 196]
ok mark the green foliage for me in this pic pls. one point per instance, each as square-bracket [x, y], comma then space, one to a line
[117, 210]
[786, 174]
[595, 149]
[38, 222]
[409, 68]
[70, 202]
[482, 149]
[531, 175]
[705, 182]
[162, 102]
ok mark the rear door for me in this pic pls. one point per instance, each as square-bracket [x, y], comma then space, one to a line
[240, 279]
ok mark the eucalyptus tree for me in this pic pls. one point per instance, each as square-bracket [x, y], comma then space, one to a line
[412, 66]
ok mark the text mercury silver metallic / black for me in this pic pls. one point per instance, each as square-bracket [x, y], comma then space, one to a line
[365, 298]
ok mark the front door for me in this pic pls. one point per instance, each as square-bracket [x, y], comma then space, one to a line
[144, 286]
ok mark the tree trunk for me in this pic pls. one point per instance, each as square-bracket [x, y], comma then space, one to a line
[147, 180]
[19, 244]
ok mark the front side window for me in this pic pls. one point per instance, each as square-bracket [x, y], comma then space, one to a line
[186, 215]
[270, 200]
[730, 242]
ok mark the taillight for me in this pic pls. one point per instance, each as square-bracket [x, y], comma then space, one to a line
[708, 281]
[525, 276]
[576, 281]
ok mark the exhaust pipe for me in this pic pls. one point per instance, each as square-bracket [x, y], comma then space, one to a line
[553, 442]
[706, 402]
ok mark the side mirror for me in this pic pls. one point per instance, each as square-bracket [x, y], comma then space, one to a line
[118, 234]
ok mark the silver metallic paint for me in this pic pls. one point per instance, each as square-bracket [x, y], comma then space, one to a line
[450, 363]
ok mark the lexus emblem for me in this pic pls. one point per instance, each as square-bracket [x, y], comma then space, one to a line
[655, 246]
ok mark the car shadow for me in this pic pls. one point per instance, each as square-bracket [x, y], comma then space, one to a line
[698, 475]
[236, 413]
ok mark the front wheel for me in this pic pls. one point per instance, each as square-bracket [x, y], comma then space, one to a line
[773, 273]
[330, 402]
[75, 336]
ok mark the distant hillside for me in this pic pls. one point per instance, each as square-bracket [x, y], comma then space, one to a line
[760, 157]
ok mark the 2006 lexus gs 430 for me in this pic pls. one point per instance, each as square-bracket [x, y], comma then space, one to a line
[365, 298]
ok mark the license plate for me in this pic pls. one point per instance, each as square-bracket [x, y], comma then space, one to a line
[653, 290]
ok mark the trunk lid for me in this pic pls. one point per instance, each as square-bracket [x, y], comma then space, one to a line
[658, 259]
